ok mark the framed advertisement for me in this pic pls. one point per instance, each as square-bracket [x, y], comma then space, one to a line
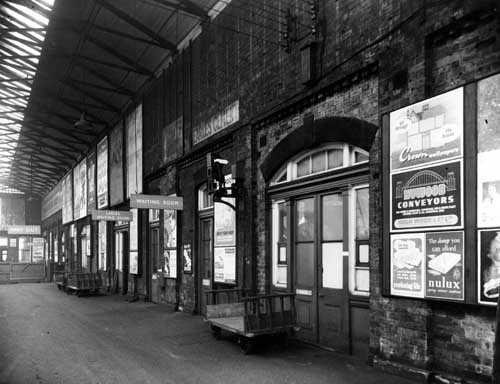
[116, 165]
[133, 132]
[67, 198]
[133, 243]
[429, 198]
[444, 265]
[225, 265]
[80, 190]
[224, 224]
[102, 173]
[187, 261]
[489, 266]
[427, 132]
[91, 182]
[488, 147]
[407, 264]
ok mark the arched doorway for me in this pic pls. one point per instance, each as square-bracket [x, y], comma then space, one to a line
[318, 194]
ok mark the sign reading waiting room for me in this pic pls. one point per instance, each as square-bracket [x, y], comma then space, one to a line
[156, 202]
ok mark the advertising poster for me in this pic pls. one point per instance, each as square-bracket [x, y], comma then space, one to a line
[429, 197]
[67, 190]
[426, 132]
[224, 224]
[187, 261]
[170, 228]
[489, 266]
[488, 146]
[134, 151]
[134, 234]
[102, 173]
[445, 265]
[170, 260]
[52, 203]
[407, 264]
[225, 265]
[173, 140]
[101, 244]
[116, 165]
[38, 249]
[91, 187]
[80, 190]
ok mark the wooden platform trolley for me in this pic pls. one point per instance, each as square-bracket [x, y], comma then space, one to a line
[80, 283]
[250, 317]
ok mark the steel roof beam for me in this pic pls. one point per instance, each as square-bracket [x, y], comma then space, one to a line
[137, 25]
[185, 6]
[138, 68]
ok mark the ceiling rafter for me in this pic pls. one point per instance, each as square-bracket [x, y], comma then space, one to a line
[106, 48]
[100, 87]
[90, 95]
[185, 6]
[137, 25]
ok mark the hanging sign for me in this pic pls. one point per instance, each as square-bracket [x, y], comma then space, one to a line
[429, 197]
[23, 230]
[156, 202]
[105, 215]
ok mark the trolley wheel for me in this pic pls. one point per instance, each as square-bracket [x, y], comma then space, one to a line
[216, 332]
[246, 344]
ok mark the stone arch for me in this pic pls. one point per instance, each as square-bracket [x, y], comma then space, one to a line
[315, 132]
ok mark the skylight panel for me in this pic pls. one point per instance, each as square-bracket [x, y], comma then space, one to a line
[21, 40]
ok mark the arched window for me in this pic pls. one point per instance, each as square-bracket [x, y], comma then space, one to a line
[322, 159]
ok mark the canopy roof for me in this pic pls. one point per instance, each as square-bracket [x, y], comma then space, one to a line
[76, 61]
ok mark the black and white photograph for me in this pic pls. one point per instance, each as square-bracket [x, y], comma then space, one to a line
[249, 191]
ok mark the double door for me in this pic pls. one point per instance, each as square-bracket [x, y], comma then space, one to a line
[320, 268]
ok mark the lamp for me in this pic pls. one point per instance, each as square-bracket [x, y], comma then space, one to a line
[82, 122]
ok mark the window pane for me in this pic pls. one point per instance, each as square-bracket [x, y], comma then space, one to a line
[362, 208]
[333, 270]
[283, 177]
[335, 158]
[283, 223]
[305, 265]
[282, 274]
[303, 167]
[362, 280]
[318, 162]
[305, 220]
[364, 253]
[359, 157]
[332, 217]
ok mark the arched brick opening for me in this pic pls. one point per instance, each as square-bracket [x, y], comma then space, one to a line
[315, 132]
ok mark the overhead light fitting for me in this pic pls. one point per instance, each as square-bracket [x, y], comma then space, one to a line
[83, 122]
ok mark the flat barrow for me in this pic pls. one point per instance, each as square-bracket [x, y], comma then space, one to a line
[252, 317]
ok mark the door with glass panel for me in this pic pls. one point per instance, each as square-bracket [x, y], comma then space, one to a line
[333, 297]
[321, 271]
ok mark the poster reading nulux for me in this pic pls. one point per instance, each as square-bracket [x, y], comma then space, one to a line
[407, 265]
[428, 131]
[427, 198]
[445, 265]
